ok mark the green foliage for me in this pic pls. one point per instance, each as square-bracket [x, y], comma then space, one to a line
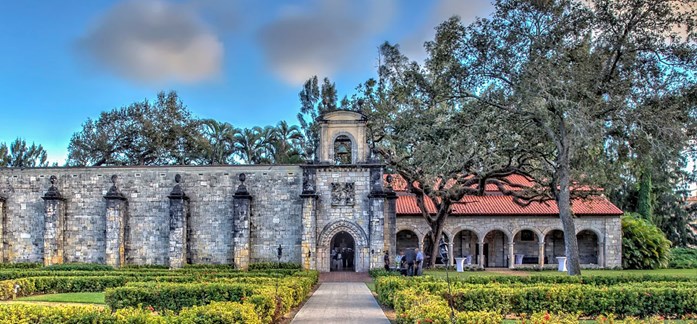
[20, 265]
[379, 272]
[683, 258]
[49, 285]
[220, 312]
[217, 312]
[645, 204]
[19, 155]
[78, 267]
[274, 265]
[144, 133]
[644, 246]
[209, 267]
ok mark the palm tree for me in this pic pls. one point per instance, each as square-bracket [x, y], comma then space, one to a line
[220, 137]
[287, 144]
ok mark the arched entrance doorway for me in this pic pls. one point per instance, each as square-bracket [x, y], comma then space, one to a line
[343, 252]
[428, 243]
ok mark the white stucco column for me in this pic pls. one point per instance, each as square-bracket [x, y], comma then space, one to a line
[451, 261]
[511, 255]
[541, 254]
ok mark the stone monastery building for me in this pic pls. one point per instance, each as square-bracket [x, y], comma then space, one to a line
[174, 215]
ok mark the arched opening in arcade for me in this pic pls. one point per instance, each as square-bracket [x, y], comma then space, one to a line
[526, 247]
[343, 252]
[428, 242]
[406, 240]
[587, 247]
[496, 249]
[465, 246]
[554, 246]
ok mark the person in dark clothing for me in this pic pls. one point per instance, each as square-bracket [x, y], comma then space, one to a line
[411, 260]
[350, 258]
[344, 258]
[386, 259]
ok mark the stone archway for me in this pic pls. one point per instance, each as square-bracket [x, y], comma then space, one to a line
[361, 255]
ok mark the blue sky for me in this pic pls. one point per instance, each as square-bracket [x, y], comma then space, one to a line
[237, 61]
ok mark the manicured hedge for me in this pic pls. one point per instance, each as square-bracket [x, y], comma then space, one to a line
[175, 297]
[387, 286]
[274, 265]
[79, 267]
[45, 285]
[20, 265]
[217, 312]
[622, 300]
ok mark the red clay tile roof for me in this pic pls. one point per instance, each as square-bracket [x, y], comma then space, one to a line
[502, 205]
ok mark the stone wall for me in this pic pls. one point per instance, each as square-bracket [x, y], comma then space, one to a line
[275, 212]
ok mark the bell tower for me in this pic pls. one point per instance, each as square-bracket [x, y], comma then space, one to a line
[342, 138]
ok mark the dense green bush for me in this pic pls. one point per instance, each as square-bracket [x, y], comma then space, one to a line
[622, 300]
[415, 307]
[222, 313]
[644, 246]
[226, 267]
[175, 297]
[45, 285]
[20, 265]
[683, 258]
[79, 267]
[386, 287]
[274, 265]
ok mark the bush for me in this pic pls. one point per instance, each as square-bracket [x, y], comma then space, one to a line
[44, 285]
[220, 312]
[78, 267]
[622, 300]
[217, 312]
[226, 267]
[644, 246]
[274, 265]
[374, 273]
[683, 258]
[20, 265]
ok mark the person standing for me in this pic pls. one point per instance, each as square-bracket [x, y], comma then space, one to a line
[411, 260]
[419, 262]
[386, 259]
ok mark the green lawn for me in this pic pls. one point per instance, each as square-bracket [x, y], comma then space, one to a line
[86, 298]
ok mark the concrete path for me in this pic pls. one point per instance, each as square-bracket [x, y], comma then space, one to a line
[341, 302]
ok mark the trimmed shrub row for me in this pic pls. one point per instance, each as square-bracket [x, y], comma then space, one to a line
[274, 265]
[387, 286]
[79, 267]
[630, 300]
[45, 285]
[217, 312]
[175, 297]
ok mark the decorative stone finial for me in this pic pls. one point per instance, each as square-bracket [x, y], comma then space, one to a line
[177, 192]
[242, 189]
[52, 193]
[114, 192]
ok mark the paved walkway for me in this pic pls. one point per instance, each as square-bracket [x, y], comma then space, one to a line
[341, 302]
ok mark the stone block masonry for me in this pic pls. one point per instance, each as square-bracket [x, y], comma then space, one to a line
[91, 229]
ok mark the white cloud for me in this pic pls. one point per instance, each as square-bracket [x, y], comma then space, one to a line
[468, 11]
[154, 41]
[322, 38]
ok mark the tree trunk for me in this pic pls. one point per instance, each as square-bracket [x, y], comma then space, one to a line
[566, 215]
[436, 234]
